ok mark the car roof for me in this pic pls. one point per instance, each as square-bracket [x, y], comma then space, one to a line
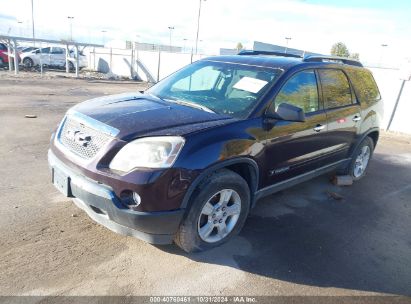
[283, 62]
[274, 62]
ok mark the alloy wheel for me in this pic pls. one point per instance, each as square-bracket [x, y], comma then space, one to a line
[219, 216]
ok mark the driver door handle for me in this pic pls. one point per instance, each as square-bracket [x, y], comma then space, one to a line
[318, 128]
[356, 118]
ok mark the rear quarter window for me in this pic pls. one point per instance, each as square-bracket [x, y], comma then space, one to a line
[364, 85]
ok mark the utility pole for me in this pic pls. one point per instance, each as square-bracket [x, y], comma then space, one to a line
[198, 24]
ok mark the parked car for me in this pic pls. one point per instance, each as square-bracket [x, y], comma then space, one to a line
[4, 58]
[186, 160]
[53, 57]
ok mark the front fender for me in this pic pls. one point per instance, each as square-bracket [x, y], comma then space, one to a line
[223, 164]
[241, 142]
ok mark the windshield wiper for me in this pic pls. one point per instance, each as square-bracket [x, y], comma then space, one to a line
[190, 104]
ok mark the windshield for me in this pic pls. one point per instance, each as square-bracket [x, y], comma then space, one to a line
[223, 88]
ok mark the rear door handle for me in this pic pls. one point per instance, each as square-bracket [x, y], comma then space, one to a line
[356, 118]
[318, 128]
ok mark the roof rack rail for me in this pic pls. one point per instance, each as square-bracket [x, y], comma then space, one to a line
[251, 52]
[344, 60]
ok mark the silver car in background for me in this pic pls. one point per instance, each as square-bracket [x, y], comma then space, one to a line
[53, 56]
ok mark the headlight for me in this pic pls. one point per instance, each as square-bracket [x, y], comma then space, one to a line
[149, 152]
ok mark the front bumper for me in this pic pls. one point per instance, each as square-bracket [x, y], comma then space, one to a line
[104, 207]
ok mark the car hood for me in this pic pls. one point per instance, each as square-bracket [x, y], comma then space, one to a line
[136, 114]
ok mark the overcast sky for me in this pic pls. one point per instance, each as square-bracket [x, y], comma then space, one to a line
[313, 25]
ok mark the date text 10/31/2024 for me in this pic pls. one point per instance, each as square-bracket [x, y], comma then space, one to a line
[203, 299]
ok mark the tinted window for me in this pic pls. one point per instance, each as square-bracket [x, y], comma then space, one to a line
[45, 50]
[202, 79]
[336, 88]
[3, 47]
[364, 85]
[301, 91]
[57, 50]
[28, 49]
[225, 88]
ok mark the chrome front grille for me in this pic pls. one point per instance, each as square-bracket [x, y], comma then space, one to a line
[81, 139]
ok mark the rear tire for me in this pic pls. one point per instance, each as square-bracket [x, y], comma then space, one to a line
[358, 165]
[1, 63]
[219, 209]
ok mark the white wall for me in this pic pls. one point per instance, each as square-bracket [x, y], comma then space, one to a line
[118, 62]
[389, 83]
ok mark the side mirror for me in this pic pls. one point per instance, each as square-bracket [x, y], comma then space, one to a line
[287, 112]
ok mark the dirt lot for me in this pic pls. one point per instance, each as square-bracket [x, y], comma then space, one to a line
[298, 242]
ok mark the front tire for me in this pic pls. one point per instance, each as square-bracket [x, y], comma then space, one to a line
[28, 63]
[219, 208]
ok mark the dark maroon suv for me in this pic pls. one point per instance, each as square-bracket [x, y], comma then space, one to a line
[186, 160]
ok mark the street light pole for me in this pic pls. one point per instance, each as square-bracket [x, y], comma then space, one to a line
[382, 51]
[136, 45]
[287, 39]
[171, 28]
[184, 45]
[200, 46]
[198, 24]
[70, 18]
[32, 23]
[104, 36]
[20, 28]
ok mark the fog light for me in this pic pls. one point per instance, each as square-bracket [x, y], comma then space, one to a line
[136, 198]
[130, 199]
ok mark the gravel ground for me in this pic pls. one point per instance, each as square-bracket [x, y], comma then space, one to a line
[298, 242]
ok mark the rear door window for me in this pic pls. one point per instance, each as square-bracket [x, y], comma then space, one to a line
[57, 50]
[336, 88]
[45, 50]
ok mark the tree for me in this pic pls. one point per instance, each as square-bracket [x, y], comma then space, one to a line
[340, 49]
[239, 46]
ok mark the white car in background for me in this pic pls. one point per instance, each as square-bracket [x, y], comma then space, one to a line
[52, 56]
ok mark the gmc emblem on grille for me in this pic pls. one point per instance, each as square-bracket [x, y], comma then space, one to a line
[79, 137]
